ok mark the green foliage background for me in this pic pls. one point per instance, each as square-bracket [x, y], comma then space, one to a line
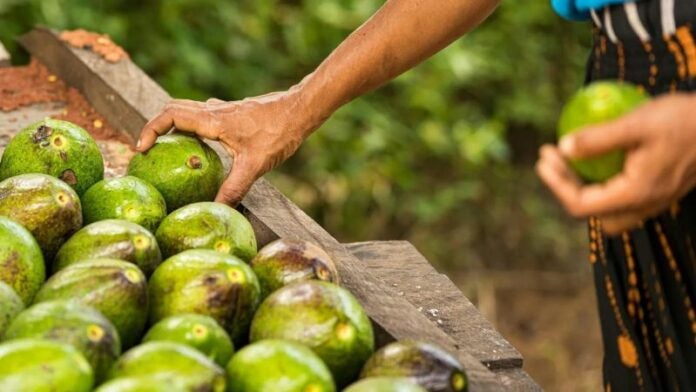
[442, 156]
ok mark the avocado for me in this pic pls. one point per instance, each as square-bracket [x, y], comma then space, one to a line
[183, 168]
[322, 316]
[21, 262]
[58, 148]
[115, 288]
[111, 239]
[428, 365]
[45, 206]
[198, 331]
[206, 282]
[10, 306]
[156, 383]
[278, 366]
[285, 261]
[172, 360]
[207, 225]
[128, 198]
[77, 325]
[39, 365]
[385, 384]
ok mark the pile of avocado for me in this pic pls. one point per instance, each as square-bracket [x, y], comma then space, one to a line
[142, 283]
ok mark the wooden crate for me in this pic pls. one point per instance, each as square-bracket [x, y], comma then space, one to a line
[402, 293]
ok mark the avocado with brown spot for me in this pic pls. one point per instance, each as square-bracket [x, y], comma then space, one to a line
[21, 262]
[116, 288]
[10, 306]
[322, 316]
[128, 198]
[424, 363]
[81, 326]
[207, 225]
[206, 282]
[183, 168]
[58, 148]
[180, 363]
[45, 206]
[286, 261]
[111, 239]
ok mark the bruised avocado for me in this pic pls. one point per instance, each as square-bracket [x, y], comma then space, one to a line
[286, 261]
[69, 322]
[45, 206]
[58, 148]
[10, 306]
[115, 288]
[196, 330]
[385, 384]
[183, 168]
[178, 362]
[424, 363]
[43, 365]
[111, 239]
[322, 316]
[128, 198]
[207, 225]
[206, 282]
[278, 366]
[21, 263]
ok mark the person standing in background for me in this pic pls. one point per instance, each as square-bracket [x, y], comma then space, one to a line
[642, 222]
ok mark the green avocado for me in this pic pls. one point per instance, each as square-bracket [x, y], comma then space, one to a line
[155, 383]
[322, 316]
[424, 363]
[198, 331]
[287, 261]
[39, 365]
[207, 225]
[77, 325]
[128, 198]
[115, 288]
[21, 263]
[385, 384]
[111, 239]
[10, 306]
[206, 282]
[58, 148]
[172, 360]
[278, 366]
[183, 168]
[45, 206]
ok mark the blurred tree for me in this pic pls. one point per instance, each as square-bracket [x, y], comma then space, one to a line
[442, 156]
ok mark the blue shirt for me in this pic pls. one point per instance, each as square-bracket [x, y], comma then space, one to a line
[580, 9]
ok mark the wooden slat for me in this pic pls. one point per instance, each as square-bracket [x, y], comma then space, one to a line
[4, 56]
[126, 96]
[517, 380]
[399, 264]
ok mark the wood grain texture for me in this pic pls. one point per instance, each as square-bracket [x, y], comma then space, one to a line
[4, 56]
[400, 265]
[127, 97]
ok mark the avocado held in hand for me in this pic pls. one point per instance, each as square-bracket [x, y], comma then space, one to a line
[58, 148]
[183, 168]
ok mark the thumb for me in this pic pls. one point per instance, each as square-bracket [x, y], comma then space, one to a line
[237, 184]
[598, 139]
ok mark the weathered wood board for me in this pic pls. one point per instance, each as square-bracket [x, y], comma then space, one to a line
[127, 97]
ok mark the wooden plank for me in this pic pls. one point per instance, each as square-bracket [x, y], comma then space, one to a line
[399, 264]
[4, 56]
[517, 380]
[133, 97]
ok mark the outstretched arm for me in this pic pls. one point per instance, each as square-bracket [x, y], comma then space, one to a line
[262, 132]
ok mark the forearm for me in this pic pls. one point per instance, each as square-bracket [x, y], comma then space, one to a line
[400, 35]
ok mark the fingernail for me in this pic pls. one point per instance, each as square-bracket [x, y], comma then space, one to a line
[567, 145]
[137, 145]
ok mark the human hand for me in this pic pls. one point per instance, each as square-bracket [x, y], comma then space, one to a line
[259, 133]
[659, 139]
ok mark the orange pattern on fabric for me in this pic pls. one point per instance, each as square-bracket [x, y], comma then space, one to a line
[627, 351]
[673, 48]
[686, 40]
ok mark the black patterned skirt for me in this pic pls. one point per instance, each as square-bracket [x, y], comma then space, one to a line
[646, 278]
